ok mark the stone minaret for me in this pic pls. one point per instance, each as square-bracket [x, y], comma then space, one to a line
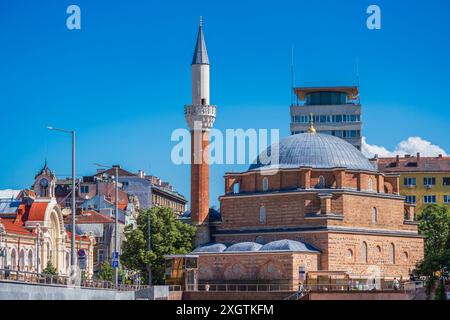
[200, 118]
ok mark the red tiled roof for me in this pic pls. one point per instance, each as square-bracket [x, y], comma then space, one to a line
[77, 237]
[37, 211]
[414, 164]
[12, 227]
[88, 217]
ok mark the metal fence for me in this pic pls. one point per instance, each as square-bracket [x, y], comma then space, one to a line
[56, 280]
[233, 287]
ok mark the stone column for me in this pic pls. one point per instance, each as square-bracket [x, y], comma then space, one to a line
[325, 203]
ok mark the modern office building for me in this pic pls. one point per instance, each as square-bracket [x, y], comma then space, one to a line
[423, 180]
[336, 111]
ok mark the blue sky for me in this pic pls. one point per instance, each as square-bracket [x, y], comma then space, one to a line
[123, 79]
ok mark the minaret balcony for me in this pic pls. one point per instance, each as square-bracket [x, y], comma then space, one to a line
[200, 116]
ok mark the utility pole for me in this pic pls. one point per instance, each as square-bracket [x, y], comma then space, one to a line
[116, 227]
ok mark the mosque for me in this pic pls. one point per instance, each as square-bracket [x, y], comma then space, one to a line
[323, 212]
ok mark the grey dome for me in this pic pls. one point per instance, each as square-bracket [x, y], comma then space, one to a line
[315, 150]
[288, 245]
[244, 247]
[211, 248]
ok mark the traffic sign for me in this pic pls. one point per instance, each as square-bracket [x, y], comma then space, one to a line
[115, 264]
[115, 255]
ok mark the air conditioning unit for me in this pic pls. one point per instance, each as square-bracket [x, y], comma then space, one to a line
[411, 186]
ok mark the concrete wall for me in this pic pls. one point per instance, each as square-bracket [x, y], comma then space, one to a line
[22, 291]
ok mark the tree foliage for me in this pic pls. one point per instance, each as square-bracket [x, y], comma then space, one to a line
[168, 236]
[106, 272]
[50, 269]
[435, 227]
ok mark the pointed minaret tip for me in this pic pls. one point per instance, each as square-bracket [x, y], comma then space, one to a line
[200, 53]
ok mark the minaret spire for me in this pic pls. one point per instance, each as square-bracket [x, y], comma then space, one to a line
[200, 52]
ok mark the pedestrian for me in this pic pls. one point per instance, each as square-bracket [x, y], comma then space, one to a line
[207, 286]
[396, 284]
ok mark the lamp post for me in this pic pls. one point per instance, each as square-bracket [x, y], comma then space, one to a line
[3, 248]
[72, 240]
[116, 220]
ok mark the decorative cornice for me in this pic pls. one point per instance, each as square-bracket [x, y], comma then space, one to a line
[393, 233]
[318, 191]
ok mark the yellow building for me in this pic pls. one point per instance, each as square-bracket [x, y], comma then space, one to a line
[423, 180]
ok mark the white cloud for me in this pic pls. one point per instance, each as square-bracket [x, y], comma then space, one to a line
[411, 146]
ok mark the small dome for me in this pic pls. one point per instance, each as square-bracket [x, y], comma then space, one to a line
[211, 248]
[315, 150]
[288, 245]
[244, 247]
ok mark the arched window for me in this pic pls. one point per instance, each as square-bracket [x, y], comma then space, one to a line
[321, 183]
[13, 261]
[405, 256]
[262, 215]
[21, 259]
[364, 252]
[350, 254]
[265, 184]
[392, 253]
[374, 215]
[370, 185]
[30, 259]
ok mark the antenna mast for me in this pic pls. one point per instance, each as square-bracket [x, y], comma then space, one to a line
[292, 76]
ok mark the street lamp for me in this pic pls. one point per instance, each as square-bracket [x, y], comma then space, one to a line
[72, 240]
[116, 221]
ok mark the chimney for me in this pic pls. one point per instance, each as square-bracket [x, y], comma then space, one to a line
[440, 156]
[141, 174]
[397, 160]
[418, 156]
[407, 156]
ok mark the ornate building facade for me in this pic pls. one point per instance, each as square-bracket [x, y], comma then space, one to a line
[32, 231]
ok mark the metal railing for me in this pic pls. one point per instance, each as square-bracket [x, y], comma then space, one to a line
[230, 287]
[57, 280]
[175, 288]
[385, 286]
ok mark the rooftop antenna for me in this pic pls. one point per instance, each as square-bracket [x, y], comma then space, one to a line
[292, 76]
[357, 78]
[201, 21]
[357, 72]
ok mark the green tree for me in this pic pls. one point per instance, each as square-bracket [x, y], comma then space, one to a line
[435, 227]
[168, 236]
[106, 272]
[50, 269]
